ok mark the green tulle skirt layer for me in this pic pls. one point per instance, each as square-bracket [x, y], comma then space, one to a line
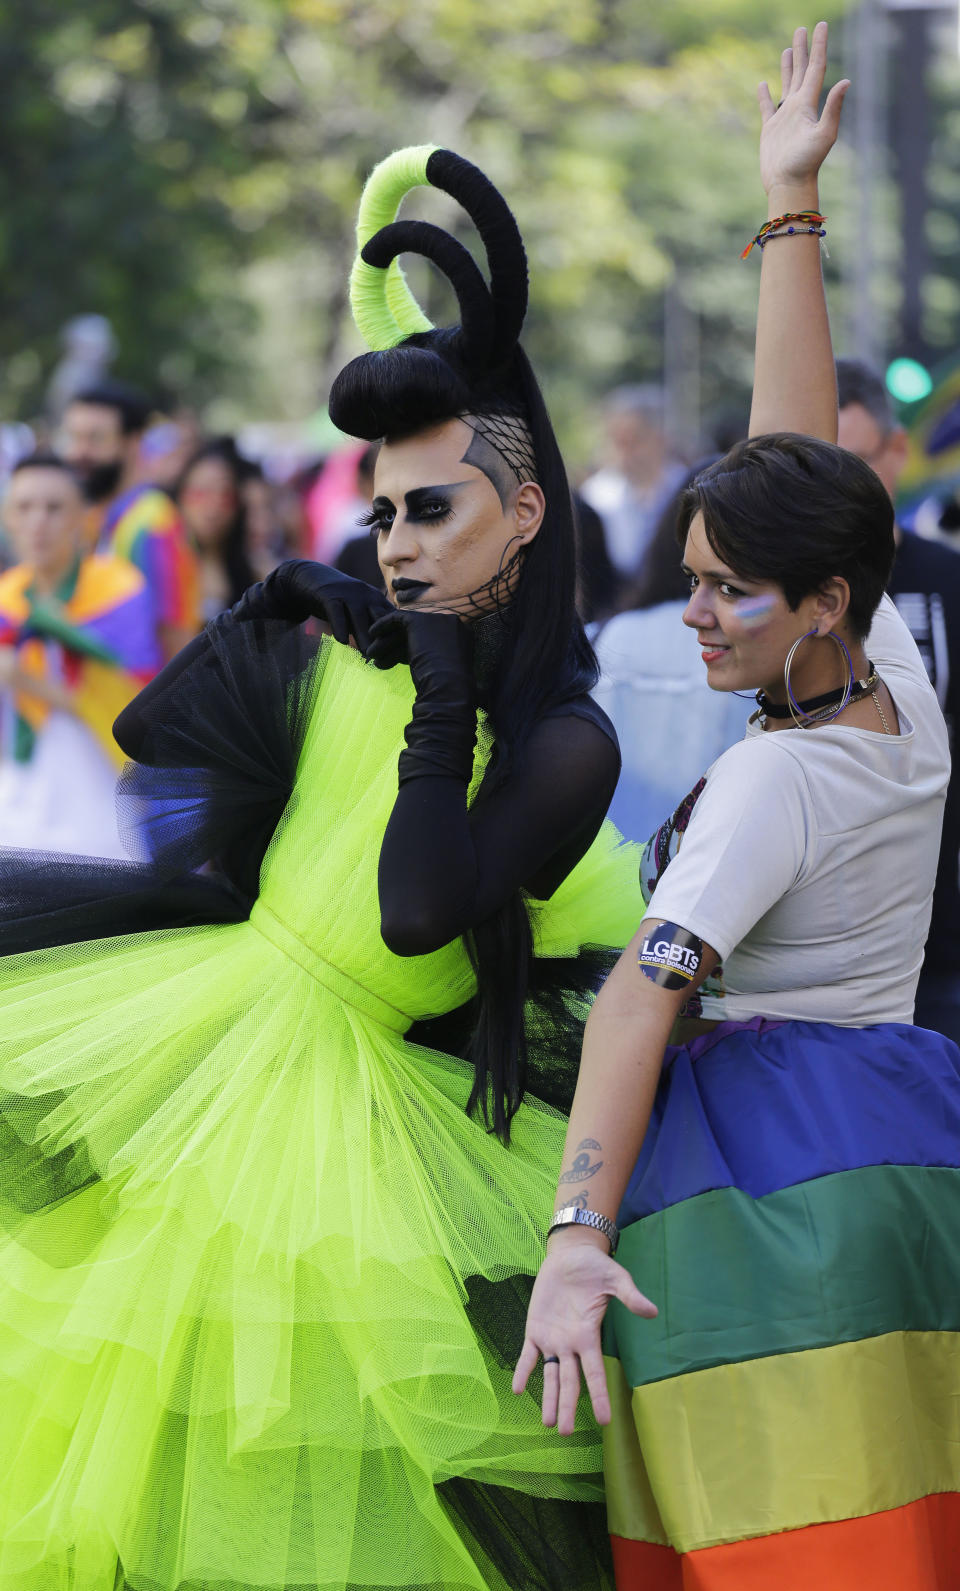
[261, 1283]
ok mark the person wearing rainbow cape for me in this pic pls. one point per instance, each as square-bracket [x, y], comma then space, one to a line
[784, 1166]
[76, 643]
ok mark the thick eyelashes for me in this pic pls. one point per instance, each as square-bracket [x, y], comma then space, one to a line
[374, 520]
[433, 512]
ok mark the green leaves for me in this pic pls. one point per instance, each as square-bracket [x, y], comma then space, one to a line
[192, 171]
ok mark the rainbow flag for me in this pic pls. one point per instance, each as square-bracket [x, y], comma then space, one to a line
[791, 1420]
[144, 526]
[98, 638]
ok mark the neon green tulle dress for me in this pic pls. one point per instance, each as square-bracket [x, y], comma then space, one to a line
[256, 1262]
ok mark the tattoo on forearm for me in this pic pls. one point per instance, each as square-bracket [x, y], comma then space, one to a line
[579, 1201]
[583, 1165]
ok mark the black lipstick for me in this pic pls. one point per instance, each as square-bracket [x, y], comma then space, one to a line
[406, 591]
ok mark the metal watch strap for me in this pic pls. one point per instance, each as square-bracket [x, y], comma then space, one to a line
[571, 1215]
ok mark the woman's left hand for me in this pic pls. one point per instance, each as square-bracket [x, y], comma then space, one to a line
[569, 1300]
[795, 139]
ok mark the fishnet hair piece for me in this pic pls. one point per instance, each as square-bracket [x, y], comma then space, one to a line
[510, 436]
[496, 594]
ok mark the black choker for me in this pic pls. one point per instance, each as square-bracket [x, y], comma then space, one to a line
[815, 704]
[490, 635]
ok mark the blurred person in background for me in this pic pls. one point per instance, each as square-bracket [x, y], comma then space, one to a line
[103, 428]
[630, 491]
[925, 586]
[166, 445]
[358, 555]
[669, 722]
[334, 501]
[265, 540]
[17, 441]
[598, 584]
[76, 644]
[209, 495]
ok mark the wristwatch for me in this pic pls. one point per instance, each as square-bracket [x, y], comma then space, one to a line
[570, 1215]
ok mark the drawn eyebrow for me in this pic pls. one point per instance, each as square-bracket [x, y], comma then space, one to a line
[422, 494]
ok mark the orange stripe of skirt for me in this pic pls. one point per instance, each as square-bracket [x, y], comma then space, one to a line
[916, 1547]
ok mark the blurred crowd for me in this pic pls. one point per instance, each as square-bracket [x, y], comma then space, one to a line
[126, 527]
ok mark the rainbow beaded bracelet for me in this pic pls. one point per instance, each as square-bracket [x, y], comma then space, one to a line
[810, 221]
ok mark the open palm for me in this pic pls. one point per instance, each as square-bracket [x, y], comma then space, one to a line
[796, 138]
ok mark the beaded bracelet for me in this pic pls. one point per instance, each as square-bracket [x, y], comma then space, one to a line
[811, 219]
[813, 231]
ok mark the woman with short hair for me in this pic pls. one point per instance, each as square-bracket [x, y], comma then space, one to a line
[783, 1165]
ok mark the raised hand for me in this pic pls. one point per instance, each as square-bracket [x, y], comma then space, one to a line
[796, 137]
[570, 1296]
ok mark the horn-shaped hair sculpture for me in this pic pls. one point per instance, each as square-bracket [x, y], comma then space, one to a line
[383, 306]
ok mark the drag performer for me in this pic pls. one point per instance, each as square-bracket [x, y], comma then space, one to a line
[265, 1260]
[785, 1182]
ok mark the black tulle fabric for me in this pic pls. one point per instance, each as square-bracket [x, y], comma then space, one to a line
[219, 735]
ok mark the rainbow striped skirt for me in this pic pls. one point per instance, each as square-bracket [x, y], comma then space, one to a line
[792, 1417]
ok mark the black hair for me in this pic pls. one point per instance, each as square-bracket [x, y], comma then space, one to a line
[133, 406]
[858, 382]
[477, 371]
[43, 459]
[799, 512]
[236, 562]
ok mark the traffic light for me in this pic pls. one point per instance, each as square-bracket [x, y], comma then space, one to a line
[908, 380]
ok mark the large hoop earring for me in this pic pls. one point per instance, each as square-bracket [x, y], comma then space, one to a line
[796, 711]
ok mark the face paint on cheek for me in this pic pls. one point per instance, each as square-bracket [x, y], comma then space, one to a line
[752, 612]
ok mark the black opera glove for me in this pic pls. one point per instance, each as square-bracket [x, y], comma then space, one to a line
[442, 730]
[299, 590]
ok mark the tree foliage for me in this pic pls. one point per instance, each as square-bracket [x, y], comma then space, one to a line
[192, 169]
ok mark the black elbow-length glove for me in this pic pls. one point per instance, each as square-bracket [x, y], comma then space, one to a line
[299, 590]
[441, 733]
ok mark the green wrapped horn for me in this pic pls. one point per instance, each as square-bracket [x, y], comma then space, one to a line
[384, 308]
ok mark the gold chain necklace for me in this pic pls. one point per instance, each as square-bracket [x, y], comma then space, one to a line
[883, 718]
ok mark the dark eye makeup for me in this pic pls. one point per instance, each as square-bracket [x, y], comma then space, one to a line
[425, 506]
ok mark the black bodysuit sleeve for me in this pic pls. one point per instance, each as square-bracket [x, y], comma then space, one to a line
[445, 867]
[130, 728]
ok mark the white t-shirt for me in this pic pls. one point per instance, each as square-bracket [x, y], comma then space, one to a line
[809, 859]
